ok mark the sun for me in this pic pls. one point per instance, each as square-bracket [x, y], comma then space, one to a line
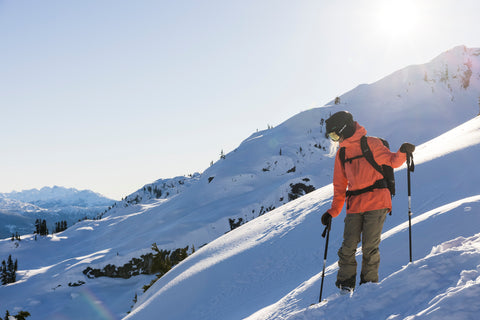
[397, 18]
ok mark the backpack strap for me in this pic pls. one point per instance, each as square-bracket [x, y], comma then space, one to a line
[366, 152]
[379, 184]
[341, 154]
[369, 155]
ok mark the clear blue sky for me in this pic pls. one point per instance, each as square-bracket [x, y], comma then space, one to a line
[111, 95]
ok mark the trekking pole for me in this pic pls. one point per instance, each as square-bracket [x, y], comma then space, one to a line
[410, 168]
[325, 232]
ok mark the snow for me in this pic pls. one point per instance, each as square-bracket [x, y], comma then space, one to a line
[270, 267]
[443, 285]
[282, 256]
[459, 138]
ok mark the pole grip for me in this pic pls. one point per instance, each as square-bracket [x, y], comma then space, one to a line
[325, 230]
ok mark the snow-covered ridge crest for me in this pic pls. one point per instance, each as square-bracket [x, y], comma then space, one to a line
[162, 189]
[444, 91]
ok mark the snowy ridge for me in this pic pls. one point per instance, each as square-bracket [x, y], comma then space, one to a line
[160, 189]
[269, 267]
[53, 197]
[436, 89]
[11, 205]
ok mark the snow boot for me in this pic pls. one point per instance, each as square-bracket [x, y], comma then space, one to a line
[345, 290]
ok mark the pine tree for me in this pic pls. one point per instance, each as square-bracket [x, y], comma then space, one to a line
[37, 226]
[11, 276]
[41, 227]
[4, 273]
[44, 229]
[60, 226]
[22, 315]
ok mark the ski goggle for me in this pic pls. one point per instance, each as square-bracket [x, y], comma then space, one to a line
[334, 136]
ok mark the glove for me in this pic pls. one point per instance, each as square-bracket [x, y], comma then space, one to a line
[407, 148]
[326, 219]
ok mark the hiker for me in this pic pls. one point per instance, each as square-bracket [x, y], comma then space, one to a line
[368, 197]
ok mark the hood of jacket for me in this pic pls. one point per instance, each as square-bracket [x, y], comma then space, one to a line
[355, 138]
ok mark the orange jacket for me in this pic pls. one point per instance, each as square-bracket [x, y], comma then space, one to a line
[360, 174]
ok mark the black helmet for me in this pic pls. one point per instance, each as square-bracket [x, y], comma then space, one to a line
[340, 125]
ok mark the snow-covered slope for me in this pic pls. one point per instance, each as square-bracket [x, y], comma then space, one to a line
[269, 267]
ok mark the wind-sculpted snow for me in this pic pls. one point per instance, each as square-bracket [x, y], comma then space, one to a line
[445, 284]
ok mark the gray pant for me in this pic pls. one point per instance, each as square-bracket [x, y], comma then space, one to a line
[369, 226]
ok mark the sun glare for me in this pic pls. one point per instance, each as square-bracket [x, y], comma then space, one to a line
[397, 18]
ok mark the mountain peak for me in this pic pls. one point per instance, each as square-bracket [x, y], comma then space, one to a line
[55, 192]
[457, 56]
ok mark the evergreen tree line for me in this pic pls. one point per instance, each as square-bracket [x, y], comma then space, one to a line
[16, 236]
[41, 227]
[159, 262]
[154, 191]
[164, 260]
[8, 271]
[60, 226]
[21, 315]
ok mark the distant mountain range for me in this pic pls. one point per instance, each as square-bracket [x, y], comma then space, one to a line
[19, 210]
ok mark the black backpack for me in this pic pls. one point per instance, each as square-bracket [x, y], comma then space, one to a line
[388, 180]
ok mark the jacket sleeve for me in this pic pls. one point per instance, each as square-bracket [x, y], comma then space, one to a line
[383, 156]
[339, 187]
